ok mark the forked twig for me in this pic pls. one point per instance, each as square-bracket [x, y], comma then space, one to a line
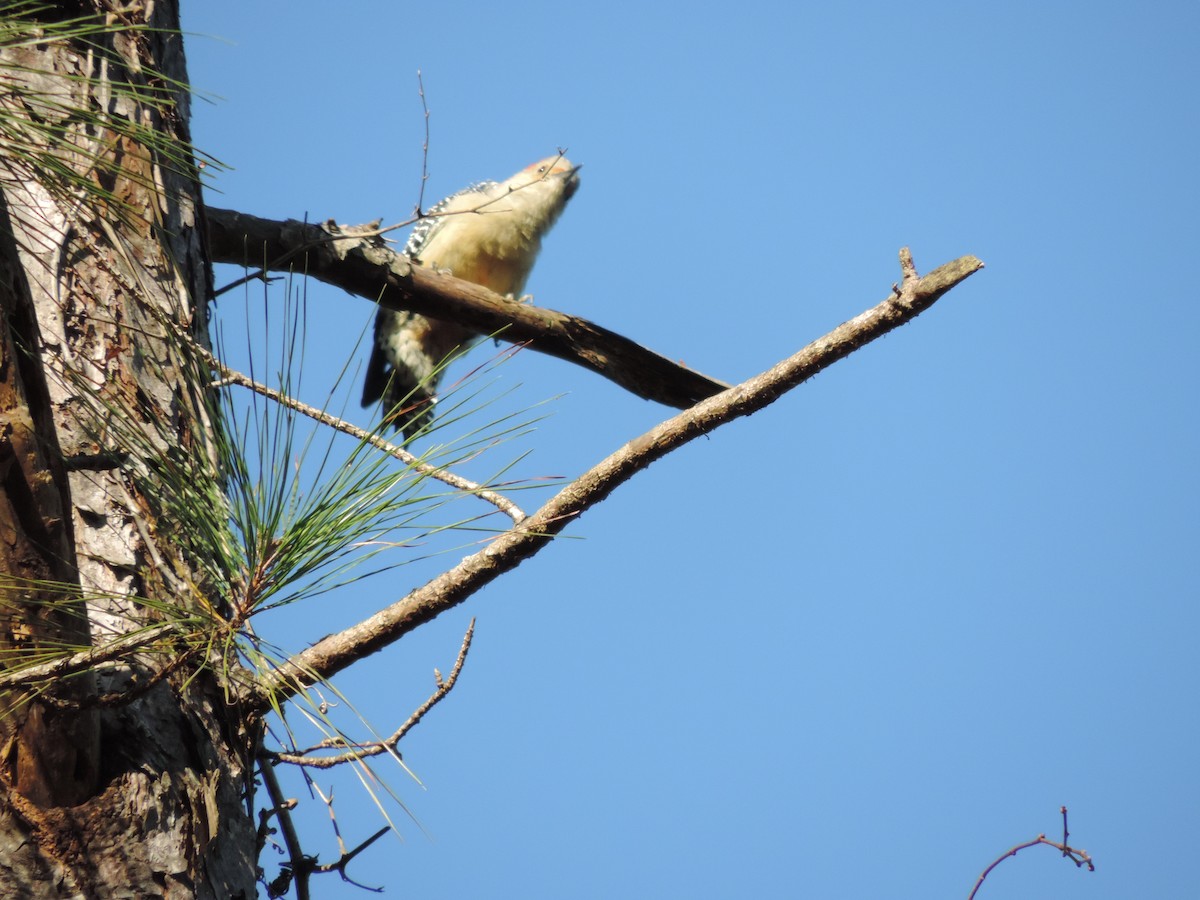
[387, 745]
[345, 856]
[1079, 857]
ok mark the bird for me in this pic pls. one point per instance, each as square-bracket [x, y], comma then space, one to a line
[489, 233]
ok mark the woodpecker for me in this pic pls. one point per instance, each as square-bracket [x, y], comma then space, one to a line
[489, 233]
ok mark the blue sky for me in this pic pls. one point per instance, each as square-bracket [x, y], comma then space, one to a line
[860, 643]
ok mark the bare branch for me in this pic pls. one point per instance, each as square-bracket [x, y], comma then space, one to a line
[345, 857]
[85, 660]
[232, 376]
[419, 210]
[335, 652]
[348, 857]
[388, 745]
[365, 267]
[1079, 857]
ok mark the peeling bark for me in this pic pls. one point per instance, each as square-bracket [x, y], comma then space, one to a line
[133, 781]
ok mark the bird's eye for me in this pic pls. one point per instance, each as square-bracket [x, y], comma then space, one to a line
[542, 170]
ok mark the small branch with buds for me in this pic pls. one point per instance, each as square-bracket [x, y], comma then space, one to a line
[1079, 857]
[388, 744]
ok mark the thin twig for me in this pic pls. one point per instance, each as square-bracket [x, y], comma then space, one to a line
[85, 660]
[344, 856]
[256, 275]
[418, 211]
[264, 828]
[1079, 857]
[347, 858]
[388, 745]
[429, 470]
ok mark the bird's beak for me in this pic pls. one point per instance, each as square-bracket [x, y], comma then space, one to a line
[572, 178]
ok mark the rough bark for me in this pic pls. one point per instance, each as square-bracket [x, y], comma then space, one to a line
[133, 782]
[50, 757]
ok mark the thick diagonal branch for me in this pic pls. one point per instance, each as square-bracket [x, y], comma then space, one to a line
[332, 654]
[355, 260]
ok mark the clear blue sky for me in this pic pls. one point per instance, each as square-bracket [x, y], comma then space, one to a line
[856, 645]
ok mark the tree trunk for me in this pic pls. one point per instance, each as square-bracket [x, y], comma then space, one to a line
[134, 778]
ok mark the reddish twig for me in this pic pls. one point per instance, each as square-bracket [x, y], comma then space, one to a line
[1079, 857]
